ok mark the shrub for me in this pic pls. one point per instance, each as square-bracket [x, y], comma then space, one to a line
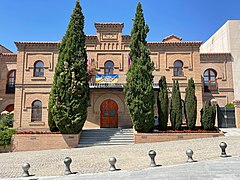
[208, 116]
[191, 104]
[6, 136]
[162, 102]
[176, 107]
[6, 120]
[229, 105]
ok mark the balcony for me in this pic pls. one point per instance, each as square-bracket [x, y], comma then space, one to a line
[211, 87]
[106, 85]
[113, 85]
[10, 88]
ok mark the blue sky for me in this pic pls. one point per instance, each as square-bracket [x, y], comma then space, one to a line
[46, 20]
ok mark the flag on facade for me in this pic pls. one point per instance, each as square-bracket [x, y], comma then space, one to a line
[89, 61]
[129, 61]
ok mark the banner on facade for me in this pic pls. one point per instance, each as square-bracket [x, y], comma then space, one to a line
[106, 78]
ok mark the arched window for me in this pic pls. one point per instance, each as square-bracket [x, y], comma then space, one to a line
[10, 86]
[38, 69]
[178, 68]
[210, 81]
[36, 111]
[108, 67]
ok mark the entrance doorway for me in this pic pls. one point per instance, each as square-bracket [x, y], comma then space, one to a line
[109, 114]
[9, 108]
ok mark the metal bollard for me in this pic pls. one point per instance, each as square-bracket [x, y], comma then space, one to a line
[152, 155]
[223, 147]
[189, 153]
[25, 167]
[67, 162]
[112, 162]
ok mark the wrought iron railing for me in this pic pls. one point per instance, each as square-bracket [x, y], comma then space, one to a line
[211, 87]
[113, 85]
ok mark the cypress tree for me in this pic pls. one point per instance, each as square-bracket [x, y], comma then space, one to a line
[176, 107]
[172, 110]
[191, 104]
[178, 104]
[208, 116]
[138, 89]
[162, 102]
[70, 90]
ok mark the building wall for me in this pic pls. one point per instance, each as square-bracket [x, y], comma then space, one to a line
[110, 45]
[227, 39]
[222, 64]
[30, 88]
[7, 63]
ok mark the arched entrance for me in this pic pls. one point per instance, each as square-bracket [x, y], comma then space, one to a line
[9, 108]
[109, 114]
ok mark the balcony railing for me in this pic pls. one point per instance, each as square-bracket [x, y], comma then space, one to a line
[113, 85]
[10, 88]
[211, 87]
[106, 85]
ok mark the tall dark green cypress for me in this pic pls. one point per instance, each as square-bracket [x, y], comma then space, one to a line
[162, 102]
[208, 116]
[138, 89]
[191, 104]
[69, 96]
[176, 107]
[172, 109]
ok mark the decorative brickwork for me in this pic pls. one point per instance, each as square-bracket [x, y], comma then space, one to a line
[161, 137]
[35, 142]
[110, 45]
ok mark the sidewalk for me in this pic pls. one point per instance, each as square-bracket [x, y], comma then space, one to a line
[231, 131]
[133, 160]
[225, 169]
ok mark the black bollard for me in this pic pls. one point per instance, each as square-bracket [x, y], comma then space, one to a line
[223, 147]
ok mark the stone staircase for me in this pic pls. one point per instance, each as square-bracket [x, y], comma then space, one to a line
[106, 136]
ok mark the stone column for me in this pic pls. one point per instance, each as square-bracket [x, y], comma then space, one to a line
[237, 112]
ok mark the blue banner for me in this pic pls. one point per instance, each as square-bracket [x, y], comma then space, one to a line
[106, 78]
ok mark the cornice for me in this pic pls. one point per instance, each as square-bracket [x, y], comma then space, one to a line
[8, 54]
[37, 44]
[216, 54]
[176, 43]
[109, 25]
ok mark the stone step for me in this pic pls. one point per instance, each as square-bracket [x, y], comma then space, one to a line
[106, 136]
[102, 144]
[110, 140]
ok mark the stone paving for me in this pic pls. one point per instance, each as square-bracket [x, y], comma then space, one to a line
[130, 158]
[220, 169]
[231, 131]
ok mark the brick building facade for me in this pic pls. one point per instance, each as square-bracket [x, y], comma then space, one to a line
[108, 56]
[7, 78]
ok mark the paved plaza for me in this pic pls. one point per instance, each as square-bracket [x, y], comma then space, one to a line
[220, 169]
[133, 160]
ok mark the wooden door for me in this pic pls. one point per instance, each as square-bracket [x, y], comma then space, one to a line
[109, 114]
[10, 108]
